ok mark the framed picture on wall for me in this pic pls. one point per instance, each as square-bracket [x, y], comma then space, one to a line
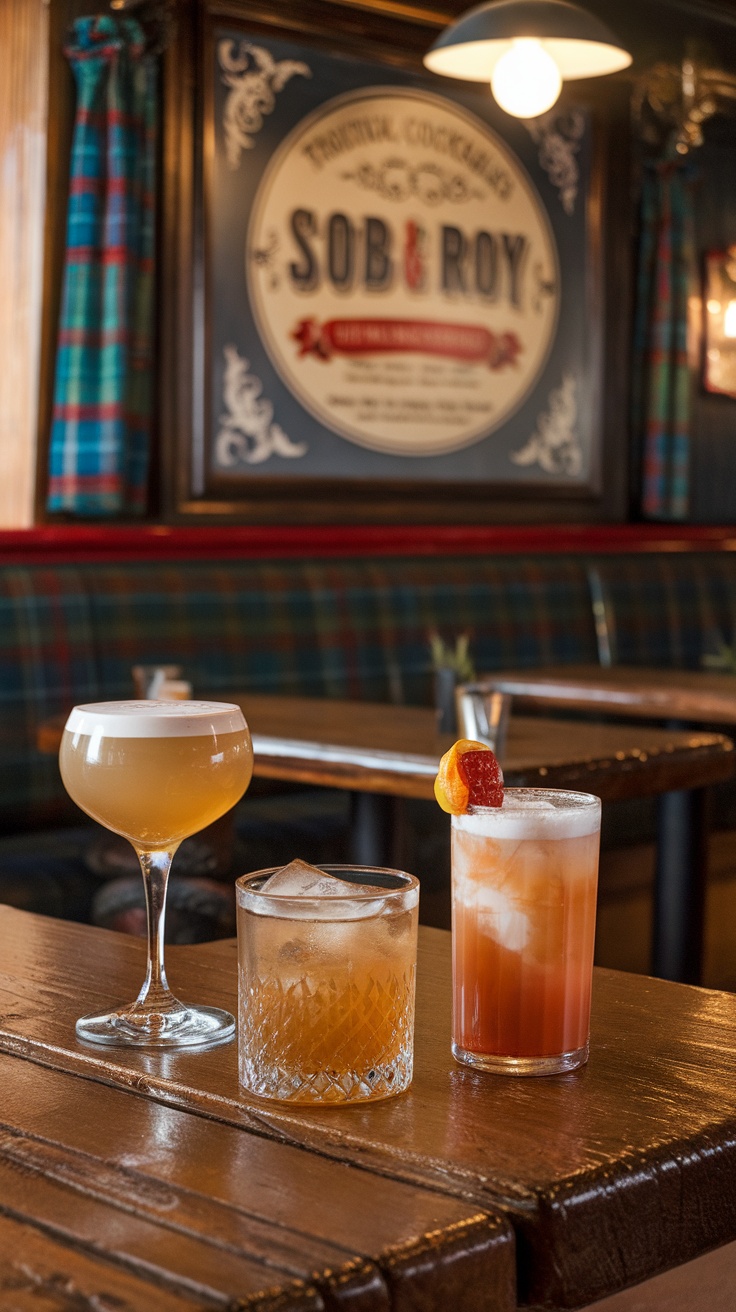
[397, 301]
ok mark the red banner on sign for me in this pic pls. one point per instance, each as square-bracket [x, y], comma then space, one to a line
[454, 341]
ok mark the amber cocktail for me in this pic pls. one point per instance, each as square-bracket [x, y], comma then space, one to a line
[524, 881]
[156, 772]
[326, 983]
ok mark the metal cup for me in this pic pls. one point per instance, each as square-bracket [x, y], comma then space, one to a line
[483, 714]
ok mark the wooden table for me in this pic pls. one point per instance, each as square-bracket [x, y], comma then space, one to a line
[394, 750]
[695, 696]
[152, 1179]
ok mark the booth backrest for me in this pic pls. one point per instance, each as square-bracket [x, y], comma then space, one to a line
[667, 609]
[356, 627]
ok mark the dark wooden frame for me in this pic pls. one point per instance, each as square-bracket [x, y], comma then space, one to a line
[396, 34]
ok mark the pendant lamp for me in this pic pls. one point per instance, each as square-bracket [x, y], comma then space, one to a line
[526, 49]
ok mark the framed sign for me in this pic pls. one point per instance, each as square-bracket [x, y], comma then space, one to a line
[398, 302]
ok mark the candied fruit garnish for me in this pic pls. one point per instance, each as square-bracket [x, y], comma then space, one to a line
[459, 786]
[482, 774]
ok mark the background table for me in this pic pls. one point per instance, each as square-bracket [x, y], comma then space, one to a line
[126, 1171]
[699, 696]
[377, 748]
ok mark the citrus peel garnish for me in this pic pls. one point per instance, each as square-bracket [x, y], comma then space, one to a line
[466, 779]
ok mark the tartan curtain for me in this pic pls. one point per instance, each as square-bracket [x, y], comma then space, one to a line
[661, 376]
[102, 414]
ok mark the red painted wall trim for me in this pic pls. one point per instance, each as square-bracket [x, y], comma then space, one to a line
[57, 544]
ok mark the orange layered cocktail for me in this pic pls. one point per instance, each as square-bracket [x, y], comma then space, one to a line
[524, 882]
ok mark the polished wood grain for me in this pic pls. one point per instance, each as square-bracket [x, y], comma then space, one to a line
[378, 748]
[128, 1196]
[37, 1271]
[24, 29]
[608, 1176]
[700, 696]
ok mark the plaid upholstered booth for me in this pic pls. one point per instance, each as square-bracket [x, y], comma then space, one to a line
[356, 627]
[666, 609]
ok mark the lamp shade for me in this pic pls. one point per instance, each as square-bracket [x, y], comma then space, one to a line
[580, 44]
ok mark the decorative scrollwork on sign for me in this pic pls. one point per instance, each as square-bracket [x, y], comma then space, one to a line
[397, 179]
[265, 258]
[542, 287]
[247, 431]
[559, 137]
[555, 444]
[254, 77]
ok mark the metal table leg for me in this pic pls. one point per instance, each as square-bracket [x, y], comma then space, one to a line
[680, 885]
[371, 829]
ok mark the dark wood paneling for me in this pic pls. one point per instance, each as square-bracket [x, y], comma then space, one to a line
[23, 41]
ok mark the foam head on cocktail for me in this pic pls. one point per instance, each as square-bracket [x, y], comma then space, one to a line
[156, 772]
[327, 962]
[524, 881]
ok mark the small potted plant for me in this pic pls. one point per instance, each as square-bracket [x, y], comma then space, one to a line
[451, 665]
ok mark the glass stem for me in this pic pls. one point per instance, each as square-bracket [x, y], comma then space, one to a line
[155, 994]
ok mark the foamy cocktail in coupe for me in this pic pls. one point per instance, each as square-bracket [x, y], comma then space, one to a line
[156, 772]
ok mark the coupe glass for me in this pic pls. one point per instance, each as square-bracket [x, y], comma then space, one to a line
[156, 772]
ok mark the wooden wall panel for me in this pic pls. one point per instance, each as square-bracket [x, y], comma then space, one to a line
[23, 116]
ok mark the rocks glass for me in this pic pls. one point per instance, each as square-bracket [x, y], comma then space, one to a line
[326, 983]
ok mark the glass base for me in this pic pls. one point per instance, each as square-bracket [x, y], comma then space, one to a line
[184, 1027]
[326, 1088]
[557, 1065]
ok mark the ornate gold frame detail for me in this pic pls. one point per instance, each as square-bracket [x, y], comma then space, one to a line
[673, 101]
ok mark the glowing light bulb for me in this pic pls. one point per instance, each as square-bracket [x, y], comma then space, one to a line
[729, 320]
[526, 80]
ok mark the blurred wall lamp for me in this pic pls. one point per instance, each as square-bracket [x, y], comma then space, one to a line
[673, 101]
[526, 49]
[157, 18]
